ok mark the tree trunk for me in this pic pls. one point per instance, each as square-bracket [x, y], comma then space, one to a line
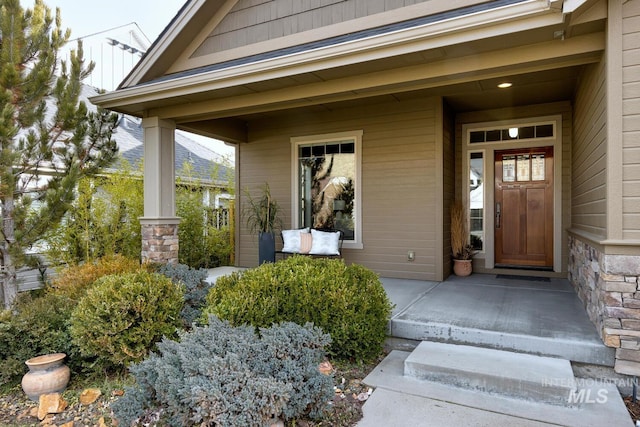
[9, 284]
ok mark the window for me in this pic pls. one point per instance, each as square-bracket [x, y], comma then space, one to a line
[476, 200]
[504, 134]
[327, 184]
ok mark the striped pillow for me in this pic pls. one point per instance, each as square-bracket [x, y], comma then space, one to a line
[305, 243]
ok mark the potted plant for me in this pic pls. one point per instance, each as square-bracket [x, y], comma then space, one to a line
[460, 247]
[261, 216]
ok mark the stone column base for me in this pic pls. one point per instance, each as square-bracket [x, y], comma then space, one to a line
[160, 240]
[609, 287]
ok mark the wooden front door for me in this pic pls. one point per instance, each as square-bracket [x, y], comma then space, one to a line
[524, 208]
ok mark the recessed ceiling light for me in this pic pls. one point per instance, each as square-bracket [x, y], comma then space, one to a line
[505, 85]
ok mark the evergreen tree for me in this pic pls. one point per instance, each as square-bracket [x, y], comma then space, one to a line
[48, 139]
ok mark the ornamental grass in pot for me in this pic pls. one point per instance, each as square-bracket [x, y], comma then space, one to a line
[262, 217]
[461, 249]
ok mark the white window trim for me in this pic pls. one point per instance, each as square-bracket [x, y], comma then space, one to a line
[356, 136]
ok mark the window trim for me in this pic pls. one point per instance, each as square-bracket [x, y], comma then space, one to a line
[296, 142]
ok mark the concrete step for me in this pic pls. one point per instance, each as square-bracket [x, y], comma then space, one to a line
[522, 376]
[589, 351]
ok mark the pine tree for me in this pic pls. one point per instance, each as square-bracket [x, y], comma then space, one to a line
[48, 139]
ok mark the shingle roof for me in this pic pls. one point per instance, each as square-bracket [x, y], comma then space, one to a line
[129, 137]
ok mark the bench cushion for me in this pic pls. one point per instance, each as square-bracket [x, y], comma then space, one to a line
[325, 242]
[291, 239]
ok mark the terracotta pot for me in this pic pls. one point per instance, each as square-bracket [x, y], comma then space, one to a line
[47, 374]
[462, 267]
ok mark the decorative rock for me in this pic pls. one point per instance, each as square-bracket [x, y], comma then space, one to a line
[277, 423]
[102, 423]
[69, 424]
[325, 368]
[362, 397]
[89, 395]
[52, 403]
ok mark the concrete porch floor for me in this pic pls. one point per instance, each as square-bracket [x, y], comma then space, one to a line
[519, 314]
[522, 314]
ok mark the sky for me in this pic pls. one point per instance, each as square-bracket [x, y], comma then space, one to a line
[98, 19]
[86, 17]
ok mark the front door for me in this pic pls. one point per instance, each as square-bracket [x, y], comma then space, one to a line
[524, 208]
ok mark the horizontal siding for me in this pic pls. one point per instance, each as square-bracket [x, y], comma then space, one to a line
[589, 203]
[398, 180]
[631, 120]
[254, 21]
[448, 190]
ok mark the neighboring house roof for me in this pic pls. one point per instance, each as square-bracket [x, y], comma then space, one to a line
[129, 137]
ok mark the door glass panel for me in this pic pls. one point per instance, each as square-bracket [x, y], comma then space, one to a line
[524, 171]
[476, 200]
[537, 166]
[508, 168]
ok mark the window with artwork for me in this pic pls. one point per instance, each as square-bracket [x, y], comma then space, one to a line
[327, 183]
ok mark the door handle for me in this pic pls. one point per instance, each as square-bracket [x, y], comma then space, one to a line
[498, 214]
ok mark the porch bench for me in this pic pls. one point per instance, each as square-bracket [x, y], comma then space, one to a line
[313, 242]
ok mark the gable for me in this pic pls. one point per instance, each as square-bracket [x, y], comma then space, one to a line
[237, 29]
[254, 21]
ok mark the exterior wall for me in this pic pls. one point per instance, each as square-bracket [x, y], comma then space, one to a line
[399, 180]
[254, 21]
[631, 119]
[539, 110]
[605, 246]
[449, 177]
[589, 192]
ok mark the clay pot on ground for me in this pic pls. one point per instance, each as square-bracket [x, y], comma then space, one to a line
[47, 374]
[462, 267]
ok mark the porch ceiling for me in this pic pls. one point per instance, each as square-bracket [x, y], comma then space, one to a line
[539, 87]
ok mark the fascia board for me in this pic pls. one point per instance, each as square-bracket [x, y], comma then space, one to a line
[528, 14]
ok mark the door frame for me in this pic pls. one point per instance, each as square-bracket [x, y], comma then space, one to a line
[485, 259]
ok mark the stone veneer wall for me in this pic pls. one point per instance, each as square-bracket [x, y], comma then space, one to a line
[609, 286]
[160, 243]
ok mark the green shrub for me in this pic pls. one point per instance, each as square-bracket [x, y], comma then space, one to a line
[195, 289]
[74, 280]
[122, 316]
[36, 326]
[348, 302]
[225, 376]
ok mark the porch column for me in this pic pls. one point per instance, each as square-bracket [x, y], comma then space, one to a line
[159, 223]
